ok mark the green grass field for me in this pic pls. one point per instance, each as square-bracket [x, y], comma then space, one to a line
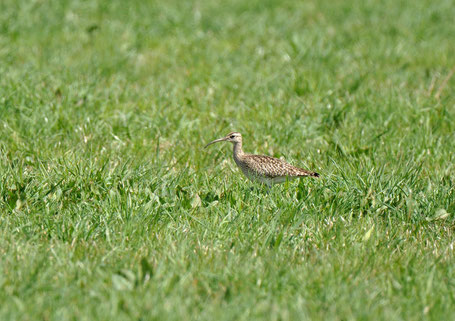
[112, 210]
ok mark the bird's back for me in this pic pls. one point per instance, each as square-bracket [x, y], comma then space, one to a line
[270, 167]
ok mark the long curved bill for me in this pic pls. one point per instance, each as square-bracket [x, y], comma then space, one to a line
[216, 141]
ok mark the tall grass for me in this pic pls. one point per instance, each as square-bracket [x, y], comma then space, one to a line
[111, 209]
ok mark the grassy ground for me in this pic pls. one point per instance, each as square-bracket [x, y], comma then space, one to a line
[111, 209]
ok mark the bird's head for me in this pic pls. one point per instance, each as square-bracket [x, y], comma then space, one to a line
[234, 137]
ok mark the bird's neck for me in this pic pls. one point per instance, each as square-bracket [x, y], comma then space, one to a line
[238, 151]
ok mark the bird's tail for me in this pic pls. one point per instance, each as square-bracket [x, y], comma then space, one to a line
[303, 172]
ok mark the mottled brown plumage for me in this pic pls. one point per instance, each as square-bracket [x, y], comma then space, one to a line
[265, 169]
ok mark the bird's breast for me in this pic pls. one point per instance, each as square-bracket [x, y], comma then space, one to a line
[253, 175]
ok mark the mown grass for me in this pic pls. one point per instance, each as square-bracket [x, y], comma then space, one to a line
[111, 209]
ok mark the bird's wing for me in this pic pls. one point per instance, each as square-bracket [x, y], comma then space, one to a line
[274, 167]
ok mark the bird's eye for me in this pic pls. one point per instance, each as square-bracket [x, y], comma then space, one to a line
[232, 137]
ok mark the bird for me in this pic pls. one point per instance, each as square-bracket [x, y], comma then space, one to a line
[260, 168]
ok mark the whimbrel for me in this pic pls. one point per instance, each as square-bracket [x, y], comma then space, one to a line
[265, 169]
